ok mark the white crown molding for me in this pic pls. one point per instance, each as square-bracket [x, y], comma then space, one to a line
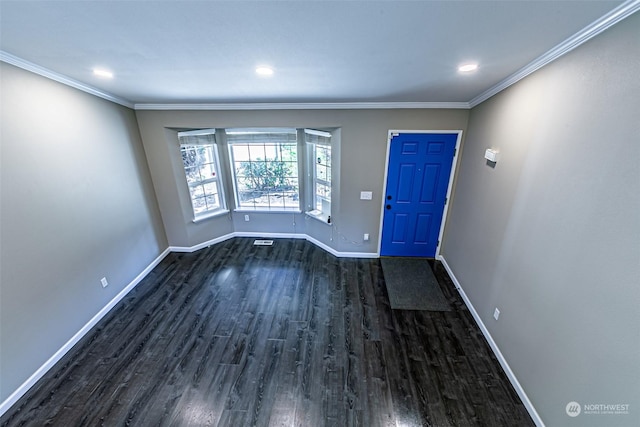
[306, 106]
[613, 17]
[45, 72]
[616, 15]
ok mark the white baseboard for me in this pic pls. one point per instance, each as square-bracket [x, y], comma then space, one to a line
[341, 254]
[40, 372]
[201, 245]
[496, 350]
[20, 391]
[257, 234]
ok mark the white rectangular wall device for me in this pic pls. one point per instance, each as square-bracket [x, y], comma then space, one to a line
[491, 155]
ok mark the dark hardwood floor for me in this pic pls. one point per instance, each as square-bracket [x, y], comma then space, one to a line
[289, 335]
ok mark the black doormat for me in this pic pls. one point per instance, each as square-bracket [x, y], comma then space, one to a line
[411, 285]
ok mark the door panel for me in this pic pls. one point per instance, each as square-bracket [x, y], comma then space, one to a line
[429, 183]
[404, 188]
[423, 228]
[399, 228]
[417, 183]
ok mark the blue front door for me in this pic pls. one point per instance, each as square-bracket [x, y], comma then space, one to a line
[417, 181]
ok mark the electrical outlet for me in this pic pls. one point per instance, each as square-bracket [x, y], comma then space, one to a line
[496, 313]
[246, 218]
[104, 282]
[366, 237]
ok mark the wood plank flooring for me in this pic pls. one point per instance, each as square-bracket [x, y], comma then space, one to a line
[289, 335]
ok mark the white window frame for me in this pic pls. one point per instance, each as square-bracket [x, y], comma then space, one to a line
[262, 137]
[319, 205]
[191, 140]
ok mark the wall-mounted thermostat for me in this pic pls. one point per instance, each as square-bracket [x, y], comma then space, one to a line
[491, 155]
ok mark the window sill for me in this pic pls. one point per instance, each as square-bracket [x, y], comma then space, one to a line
[319, 216]
[210, 215]
[268, 211]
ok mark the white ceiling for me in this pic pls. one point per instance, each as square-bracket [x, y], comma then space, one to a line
[322, 51]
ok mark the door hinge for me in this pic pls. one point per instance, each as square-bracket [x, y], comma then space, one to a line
[438, 244]
[446, 200]
[455, 151]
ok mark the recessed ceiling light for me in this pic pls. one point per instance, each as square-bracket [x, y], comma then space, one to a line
[264, 71]
[466, 68]
[102, 73]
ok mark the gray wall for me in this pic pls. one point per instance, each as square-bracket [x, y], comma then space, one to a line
[77, 204]
[362, 155]
[551, 235]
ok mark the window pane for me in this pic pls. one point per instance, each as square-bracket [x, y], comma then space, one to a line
[192, 174]
[291, 185]
[243, 184]
[321, 172]
[271, 152]
[189, 156]
[199, 205]
[323, 191]
[259, 199]
[196, 191]
[212, 202]
[207, 171]
[324, 154]
[211, 189]
[291, 202]
[247, 199]
[240, 153]
[247, 203]
[275, 200]
[289, 153]
[292, 169]
[256, 152]
[242, 169]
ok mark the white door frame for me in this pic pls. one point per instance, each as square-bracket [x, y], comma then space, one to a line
[456, 160]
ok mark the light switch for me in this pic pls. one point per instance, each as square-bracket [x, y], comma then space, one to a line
[366, 195]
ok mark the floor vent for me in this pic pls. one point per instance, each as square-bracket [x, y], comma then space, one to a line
[263, 243]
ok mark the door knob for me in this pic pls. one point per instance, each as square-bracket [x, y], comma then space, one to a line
[388, 197]
[388, 206]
